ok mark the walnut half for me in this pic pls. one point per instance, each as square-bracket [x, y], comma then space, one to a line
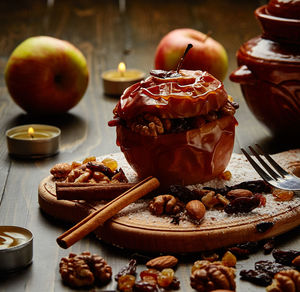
[165, 204]
[285, 281]
[209, 276]
[84, 270]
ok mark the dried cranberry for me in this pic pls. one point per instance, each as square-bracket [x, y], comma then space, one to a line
[264, 226]
[129, 269]
[285, 257]
[242, 205]
[257, 277]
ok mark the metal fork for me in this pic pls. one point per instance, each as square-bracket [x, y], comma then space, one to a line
[276, 176]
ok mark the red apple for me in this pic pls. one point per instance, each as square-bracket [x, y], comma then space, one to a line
[207, 54]
[45, 75]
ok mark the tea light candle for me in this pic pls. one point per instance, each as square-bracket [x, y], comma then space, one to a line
[33, 141]
[116, 81]
[16, 248]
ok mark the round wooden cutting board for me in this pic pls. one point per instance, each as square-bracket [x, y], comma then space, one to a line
[136, 228]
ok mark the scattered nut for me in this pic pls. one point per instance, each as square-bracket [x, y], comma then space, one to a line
[84, 270]
[285, 281]
[61, 170]
[162, 262]
[210, 199]
[207, 276]
[165, 204]
[195, 209]
[239, 193]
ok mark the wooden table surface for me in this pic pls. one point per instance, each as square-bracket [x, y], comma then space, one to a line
[107, 32]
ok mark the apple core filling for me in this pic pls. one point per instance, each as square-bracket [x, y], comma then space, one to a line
[153, 125]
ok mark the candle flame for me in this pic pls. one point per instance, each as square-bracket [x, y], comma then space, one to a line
[122, 68]
[30, 132]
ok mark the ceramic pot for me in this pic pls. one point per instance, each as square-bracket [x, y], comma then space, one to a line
[269, 71]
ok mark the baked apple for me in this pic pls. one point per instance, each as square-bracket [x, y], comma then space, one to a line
[176, 126]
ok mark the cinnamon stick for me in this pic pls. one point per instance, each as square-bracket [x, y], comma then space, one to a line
[97, 218]
[88, 191]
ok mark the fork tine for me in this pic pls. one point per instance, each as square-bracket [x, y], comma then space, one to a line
[265, 165]
[259, 170]
[272, 162]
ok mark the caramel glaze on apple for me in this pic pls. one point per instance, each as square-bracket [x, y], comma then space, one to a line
[189, 156]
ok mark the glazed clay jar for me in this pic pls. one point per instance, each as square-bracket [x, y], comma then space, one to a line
[269, 68]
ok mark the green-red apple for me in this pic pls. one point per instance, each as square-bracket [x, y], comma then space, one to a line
[207, 54]
[45, 75]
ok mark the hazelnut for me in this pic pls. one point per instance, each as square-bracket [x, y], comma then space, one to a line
[195, 209]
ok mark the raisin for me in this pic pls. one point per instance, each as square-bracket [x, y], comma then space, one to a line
[126, 283]
[180, 125]
[149, 273]
[221, 191]
[100, 167]
[252, 246]
[263, 273]
[269, 246]
[141, 286]
[242, 251]
[285, 257]
[175, 285]
[264, 226]
[257, 277]
[271, 268]
[165, 278]
[129, 269]
[182, 193]
[255, 186]
[242, 205]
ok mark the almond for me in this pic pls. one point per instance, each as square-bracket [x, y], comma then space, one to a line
[195, 209]
[162, 262]
[239, 193]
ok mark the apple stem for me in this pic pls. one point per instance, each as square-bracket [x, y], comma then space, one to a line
[189, 46]
[207, 36]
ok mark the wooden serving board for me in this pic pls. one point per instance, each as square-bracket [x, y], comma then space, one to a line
[136, 228]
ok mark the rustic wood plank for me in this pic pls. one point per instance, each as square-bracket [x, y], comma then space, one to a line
[105, 36]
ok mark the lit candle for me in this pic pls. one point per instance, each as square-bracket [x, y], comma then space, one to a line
[116, 81]
[33, 141]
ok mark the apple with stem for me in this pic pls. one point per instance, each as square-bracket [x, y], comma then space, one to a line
[45, 75]
[207, 54]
